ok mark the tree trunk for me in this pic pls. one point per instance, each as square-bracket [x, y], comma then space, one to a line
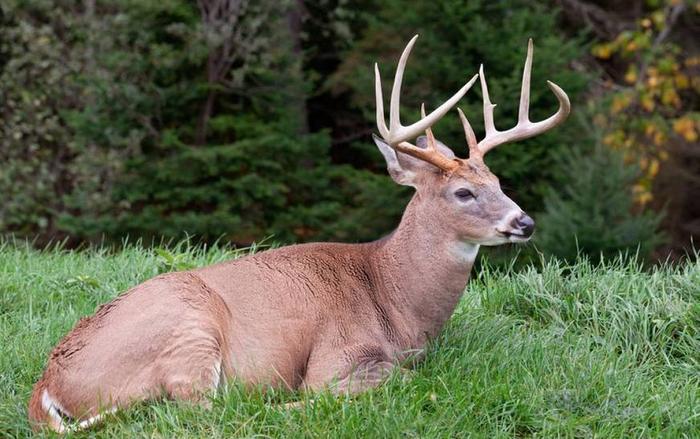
[204, 116]
[295, 16]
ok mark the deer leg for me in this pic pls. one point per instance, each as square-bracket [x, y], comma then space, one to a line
[363, 376]
[191, 377]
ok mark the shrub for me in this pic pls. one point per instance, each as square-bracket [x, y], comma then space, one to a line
[593, 211]
[268, 184]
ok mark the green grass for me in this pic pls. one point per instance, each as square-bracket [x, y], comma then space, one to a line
[554, 350]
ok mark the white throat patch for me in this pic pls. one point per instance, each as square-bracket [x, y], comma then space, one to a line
[465, 252]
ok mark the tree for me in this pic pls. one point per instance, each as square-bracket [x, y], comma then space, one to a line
[593, 210]
[234, 37]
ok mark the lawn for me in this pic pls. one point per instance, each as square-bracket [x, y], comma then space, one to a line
[553, 350]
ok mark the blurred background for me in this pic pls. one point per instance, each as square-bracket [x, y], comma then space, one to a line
[239, 120]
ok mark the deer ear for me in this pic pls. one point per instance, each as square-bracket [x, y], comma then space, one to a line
[400, 174]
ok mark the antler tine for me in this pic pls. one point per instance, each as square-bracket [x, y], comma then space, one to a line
[489, 125]
[381, 123]
[469, 134]
[396, 132]
[428, 131]
[430, 154]
[524, 109]
[524, 128]
[394, 117]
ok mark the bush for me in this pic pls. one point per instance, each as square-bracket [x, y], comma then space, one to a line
[268, 184]
[594, 212]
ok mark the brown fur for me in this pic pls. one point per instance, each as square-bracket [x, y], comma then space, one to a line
[301, 317]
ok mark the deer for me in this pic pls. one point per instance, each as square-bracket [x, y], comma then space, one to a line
[311, 317]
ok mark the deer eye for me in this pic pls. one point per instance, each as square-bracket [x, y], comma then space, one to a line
[464, 194]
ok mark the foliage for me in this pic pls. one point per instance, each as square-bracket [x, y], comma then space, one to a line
[36, 144]
[657, 99]
[653, 92]
[237, 192]
[76, 103]
[124, 157]
[604, 350]
[593, 211]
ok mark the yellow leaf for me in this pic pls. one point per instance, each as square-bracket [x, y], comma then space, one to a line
[631, 76]
[647, 103]
[670, 97]
[602, 51]
[650, 129]
[659, 19]
[619, 103]
[682, 81]
[686, 128]
[615, 139]
[653, 168]
[644, 198]
[659, 138]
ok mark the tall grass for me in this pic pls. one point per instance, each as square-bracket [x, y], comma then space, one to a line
[609, 350]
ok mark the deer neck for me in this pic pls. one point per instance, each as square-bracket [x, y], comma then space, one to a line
[424, 270]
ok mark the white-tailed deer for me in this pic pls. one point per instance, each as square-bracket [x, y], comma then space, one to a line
[311, 316]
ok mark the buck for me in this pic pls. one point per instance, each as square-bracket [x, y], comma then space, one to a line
[313, 316]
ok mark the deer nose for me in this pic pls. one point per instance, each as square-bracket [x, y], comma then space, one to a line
[524, 224]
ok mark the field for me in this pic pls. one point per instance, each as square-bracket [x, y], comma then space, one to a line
[609, 350]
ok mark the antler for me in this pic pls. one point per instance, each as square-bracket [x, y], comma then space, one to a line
[396, 135]
[524, 128]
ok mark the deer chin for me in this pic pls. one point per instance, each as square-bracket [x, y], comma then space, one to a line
[488, 241]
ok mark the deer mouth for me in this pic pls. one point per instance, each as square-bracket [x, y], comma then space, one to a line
[515, 237]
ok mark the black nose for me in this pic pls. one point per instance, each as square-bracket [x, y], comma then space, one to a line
[524, 224]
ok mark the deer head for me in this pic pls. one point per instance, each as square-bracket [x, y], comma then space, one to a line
[460, 196]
